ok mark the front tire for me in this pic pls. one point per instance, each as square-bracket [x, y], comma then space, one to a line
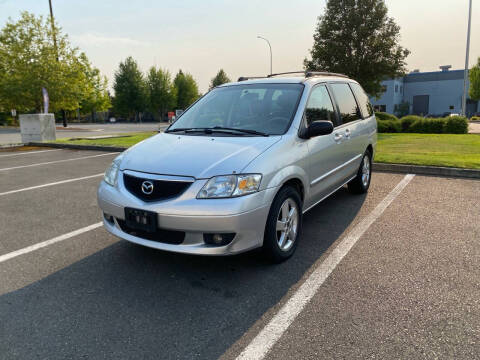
[361, 183]
[284, 225]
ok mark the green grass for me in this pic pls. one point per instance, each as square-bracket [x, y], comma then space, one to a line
[132, 139]
[461, 151]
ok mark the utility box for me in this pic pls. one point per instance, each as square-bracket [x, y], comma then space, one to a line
[37, 127]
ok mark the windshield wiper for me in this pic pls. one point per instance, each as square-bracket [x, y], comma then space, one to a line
[245, 131]
[203, 130]
[218, 129]
[186, 129]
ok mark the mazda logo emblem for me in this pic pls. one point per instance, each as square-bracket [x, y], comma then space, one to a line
[147, 187]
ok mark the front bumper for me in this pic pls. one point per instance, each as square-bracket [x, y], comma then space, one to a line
[245, 216]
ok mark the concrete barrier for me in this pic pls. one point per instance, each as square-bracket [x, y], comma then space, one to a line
[37, 127]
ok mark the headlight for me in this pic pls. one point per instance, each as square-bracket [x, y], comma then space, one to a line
[230, 186]
[111, 174]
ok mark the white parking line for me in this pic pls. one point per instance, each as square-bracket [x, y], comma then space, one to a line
[29, 152]
[271, 333]
[43, 244]
[57, 161]
[50, 184]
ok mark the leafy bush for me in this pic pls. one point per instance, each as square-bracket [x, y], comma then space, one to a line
[389, 126]
[418, 126]
[385, 116]
[408, 120]
[456, 125]
[448, 125]
[428, 126]
[435, 126]
[421, 125]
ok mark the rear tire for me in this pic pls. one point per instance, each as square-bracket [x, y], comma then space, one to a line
[284, 225]
[361, 183]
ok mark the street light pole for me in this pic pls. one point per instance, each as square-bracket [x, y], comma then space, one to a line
[270, 46]
[53, 28]
[464, 102]
[54, 35]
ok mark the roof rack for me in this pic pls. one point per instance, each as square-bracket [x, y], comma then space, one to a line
[307, 74]
[245, 78]
[287, 73]
[324, 73]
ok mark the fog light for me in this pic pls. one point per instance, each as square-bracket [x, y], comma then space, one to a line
[218, 239]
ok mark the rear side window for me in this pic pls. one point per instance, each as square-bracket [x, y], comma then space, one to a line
[319, 106]
[362, 98]
[347, 105]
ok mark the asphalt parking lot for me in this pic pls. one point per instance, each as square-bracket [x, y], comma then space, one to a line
[408, 288]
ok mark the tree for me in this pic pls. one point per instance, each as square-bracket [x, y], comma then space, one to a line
[30, 61]
[357, 38]
[474, 75]
[161, 92]
[96, 97]
[187, 90]
[130, 93]
[219, 79]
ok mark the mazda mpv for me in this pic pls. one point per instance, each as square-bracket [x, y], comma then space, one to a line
[240, 167]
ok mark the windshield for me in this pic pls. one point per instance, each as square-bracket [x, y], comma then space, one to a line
[264, 108]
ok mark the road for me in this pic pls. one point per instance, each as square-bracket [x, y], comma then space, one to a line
[408, 288]
[13, 136]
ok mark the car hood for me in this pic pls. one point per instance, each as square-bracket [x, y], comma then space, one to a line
[197, 156]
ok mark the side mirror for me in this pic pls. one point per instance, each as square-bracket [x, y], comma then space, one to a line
[318, 128]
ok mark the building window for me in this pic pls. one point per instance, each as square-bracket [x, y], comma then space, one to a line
[396, 88]
[452, 107]
[381, 108]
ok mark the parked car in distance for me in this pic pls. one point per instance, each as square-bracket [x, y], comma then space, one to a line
[240, 167]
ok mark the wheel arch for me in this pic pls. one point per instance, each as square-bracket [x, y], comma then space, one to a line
[294, 176]
[297, 184]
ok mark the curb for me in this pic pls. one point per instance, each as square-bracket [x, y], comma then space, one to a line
[10, 146]
[394, 168]
[79, 147]
[427, 170]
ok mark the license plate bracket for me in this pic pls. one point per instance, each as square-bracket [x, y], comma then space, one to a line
[141, 219]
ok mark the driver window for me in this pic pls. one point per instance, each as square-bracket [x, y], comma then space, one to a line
[249, 107]
[319, 106]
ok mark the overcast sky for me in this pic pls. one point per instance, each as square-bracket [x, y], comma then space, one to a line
[202, 36]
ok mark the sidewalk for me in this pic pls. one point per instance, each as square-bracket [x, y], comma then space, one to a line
[474, 128]
[11, 135]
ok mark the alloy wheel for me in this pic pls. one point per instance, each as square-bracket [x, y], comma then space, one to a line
[287, 224]
[366, 171]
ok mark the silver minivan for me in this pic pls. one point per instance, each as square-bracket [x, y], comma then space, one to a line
[240, 167]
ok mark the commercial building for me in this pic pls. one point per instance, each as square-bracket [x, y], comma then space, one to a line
[426, 93]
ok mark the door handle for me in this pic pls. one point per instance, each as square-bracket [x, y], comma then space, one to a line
[338, 137]
[347, 133]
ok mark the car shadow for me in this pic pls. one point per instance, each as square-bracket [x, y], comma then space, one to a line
[127, 301]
